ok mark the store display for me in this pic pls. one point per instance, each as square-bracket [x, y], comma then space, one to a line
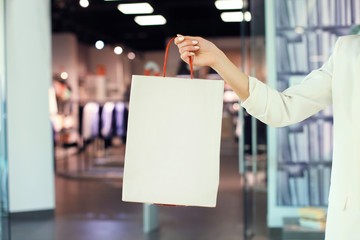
[292, 229]
[305, 34]
[312, 213]
[314, 218]
[313, 224]
[309, 37]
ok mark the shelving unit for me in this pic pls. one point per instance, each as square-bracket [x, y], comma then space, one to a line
[300, 36]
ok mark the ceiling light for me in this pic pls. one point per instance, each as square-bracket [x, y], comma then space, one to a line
[64, 75]
[131, 55]
[84, 3]
[135, 8]
[247, 16]
[150, 20]
[229, 4]
[232, 16]
[99, 44]
[236, 106]
[118, 50]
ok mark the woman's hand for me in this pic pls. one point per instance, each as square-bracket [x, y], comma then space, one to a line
[204, 52]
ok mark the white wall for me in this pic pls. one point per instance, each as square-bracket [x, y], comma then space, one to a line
[80, 60]
[65, 58]
[83, 60]
[119, 68]
[30, 149]
[127, 70]
[106, 57]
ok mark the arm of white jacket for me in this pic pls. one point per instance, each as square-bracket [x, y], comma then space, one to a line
[296, 103]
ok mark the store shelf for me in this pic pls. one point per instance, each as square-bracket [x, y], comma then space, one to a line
[292, 73]
[300, 37]
[314, 28]
[304, 164]
[293, 230]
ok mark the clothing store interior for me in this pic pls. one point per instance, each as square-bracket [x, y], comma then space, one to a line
[66, 74]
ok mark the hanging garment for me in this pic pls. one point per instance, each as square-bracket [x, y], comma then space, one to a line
[107, 119]
[119, 116]
[90, 121]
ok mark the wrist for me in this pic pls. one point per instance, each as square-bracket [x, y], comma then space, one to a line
[218, 61]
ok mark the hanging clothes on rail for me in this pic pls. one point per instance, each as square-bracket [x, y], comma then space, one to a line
[107, 123]
[121, 116]
[90, 121]
[107, 119]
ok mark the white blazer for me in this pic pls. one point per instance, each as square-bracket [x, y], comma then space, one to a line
[337, 82]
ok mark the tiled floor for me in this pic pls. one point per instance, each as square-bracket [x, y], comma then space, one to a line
[93, 210]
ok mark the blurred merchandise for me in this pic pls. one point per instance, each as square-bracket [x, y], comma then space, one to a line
[313, 224]
[312, 213]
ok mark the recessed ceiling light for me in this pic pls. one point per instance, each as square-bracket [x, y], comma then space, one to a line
[64, 75]
[247, 16]
[84, 3]
[232, 16]
[150, 20]
[118, 50]
[229, 4]
[99, 44]
[131, 55]
[135, 8]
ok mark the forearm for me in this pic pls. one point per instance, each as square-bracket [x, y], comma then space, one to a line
[261, 101]
[275, 108]
[238, 81]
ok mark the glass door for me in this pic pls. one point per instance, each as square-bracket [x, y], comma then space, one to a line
[301, 36]
[4, 233]
[254, 158]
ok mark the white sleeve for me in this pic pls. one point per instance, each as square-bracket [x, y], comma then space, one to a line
[296, 103]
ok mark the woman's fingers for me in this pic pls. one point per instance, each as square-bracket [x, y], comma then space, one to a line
[188, 49]
[181, 41]
[186, 55]
[186, 44]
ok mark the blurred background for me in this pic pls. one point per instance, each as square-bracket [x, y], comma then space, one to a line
[65, 78]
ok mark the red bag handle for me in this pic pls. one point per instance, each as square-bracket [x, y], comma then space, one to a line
[164, 70]
[166, 55]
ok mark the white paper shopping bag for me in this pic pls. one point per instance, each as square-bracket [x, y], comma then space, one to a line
[173, 142]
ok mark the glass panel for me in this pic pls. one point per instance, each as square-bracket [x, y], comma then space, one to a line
[300, 37]
[3, 153]
[255, 159]
[306, 32]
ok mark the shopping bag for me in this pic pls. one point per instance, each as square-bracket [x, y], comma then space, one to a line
[173, 144]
